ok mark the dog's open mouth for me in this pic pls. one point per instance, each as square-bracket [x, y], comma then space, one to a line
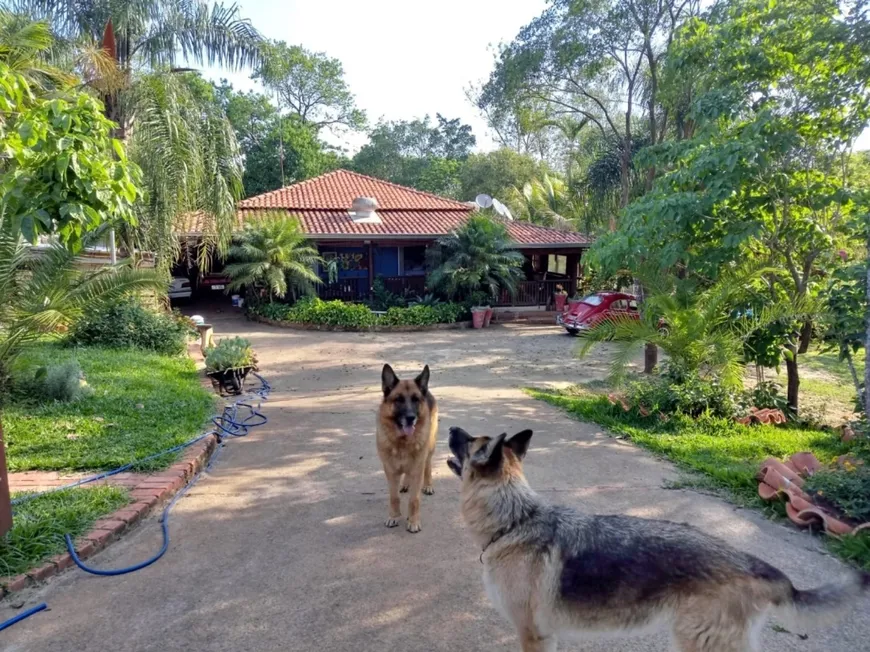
[455, 465]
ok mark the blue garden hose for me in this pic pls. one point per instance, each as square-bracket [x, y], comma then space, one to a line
[22, 616]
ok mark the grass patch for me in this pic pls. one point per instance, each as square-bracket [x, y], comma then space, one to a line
[39, 525]
[727, 453]
[142, 403]
[717, 455]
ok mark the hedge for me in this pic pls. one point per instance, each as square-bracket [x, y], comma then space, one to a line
[354, 315]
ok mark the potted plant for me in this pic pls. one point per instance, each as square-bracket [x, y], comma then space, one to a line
[478, 309]
[228, 364]
[559, 298]
[488, 317]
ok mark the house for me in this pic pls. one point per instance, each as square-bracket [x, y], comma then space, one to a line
[377, 229]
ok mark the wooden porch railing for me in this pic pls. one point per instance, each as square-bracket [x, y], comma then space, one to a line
[530, 293]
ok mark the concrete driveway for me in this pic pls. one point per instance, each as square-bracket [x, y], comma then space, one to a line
[282, 548]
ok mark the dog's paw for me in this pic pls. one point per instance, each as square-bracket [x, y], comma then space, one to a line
[391, 522]
[429, 490]
[413, 528]
[403, 489]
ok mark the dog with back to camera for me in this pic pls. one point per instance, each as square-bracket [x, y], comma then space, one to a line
[558, 573]
[407, 430]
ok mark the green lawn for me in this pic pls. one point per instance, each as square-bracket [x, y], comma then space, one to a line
[142, 403]
[723, 455]
[39, 525]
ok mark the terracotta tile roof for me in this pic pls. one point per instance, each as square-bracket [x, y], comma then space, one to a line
[338, 189]
[322, 204]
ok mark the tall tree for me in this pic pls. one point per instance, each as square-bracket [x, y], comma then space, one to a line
[310, 85]
[138, 45]
[497, 173]
[278, 150]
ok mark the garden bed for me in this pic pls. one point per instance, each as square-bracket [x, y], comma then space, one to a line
[141, 403]
[358, 329]
[725, 454]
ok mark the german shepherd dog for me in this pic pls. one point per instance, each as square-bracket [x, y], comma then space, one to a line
[406, 435]
[556, 573]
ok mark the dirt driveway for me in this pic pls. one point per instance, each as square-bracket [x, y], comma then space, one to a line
[283, 549]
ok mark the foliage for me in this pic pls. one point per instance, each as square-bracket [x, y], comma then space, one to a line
[273, 253]
[692, 396]
[278, 150]
[358, 316]
[310, 85]
[63, 382]
[706, 332]
[229, 353]
[142, 403]
[497, 173]
[768, 395]
[42, 292]
[429, 299]
[478, 256]
[40, 524]
[418, 154]
[176, 133]
[848, 490]
[549, 201]
[61, 172]
[725, 451]
[384, 299]
[127, 323]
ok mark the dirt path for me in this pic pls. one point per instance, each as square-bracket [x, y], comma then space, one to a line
[283, 549]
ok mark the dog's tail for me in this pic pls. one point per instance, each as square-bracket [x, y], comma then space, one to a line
[803, 610]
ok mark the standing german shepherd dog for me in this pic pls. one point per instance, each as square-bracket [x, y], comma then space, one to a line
[406, 435]
[555, 572]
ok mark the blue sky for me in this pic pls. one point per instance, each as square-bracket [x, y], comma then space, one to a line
[402, 58]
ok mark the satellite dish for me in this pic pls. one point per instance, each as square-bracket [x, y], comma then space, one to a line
[502, 210]
[484, 201]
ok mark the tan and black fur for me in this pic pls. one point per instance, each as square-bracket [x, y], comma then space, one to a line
[558, 573]
[406, 436]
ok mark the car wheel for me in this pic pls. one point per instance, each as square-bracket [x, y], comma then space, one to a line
[573, 332]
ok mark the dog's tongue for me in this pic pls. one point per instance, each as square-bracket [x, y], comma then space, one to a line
[408, 430]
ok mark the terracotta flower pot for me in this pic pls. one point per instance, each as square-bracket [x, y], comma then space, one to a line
[478, 316]
[560, 300]
[488, 317]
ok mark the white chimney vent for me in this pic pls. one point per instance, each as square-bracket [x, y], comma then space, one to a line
[363, 210]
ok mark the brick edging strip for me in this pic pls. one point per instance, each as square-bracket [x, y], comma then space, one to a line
[303, 326]
[151, 492]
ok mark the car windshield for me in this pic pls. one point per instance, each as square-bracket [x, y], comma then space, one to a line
[592, 300]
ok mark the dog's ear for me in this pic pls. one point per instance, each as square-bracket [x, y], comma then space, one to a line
[423, 380]
[519, 443]
[389, 380]
[490, 456]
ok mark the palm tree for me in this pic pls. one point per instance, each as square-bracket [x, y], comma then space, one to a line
[132, 51]
[25, 46]
[273, 253]
[478, 257]
[549, 201]
[702, 330]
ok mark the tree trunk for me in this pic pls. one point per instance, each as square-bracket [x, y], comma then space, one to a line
[859, 391]
[794, 381]
[806, 336]
[650, 358]
[5, 500]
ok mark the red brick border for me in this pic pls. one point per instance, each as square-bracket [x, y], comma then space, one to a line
[147, 494]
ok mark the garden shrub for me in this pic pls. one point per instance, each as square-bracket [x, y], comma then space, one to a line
[128, 324]
[848, 490]
[351, 315]
[63, 382]
[693, 397]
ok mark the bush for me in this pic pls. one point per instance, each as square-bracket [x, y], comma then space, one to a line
[351, 315]
[767, 394]
[692, 397]
[129, 324]
[62, 382]
[848, 490]
[229, 353]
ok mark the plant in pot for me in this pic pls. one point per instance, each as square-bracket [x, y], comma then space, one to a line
[559, 298]
[479, 309]
[228, 364]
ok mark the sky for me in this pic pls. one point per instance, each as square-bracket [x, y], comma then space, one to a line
[403, 59]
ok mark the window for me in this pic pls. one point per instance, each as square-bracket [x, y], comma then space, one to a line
[592, 300]
[558, 264]
[620, 304]
[414, 261]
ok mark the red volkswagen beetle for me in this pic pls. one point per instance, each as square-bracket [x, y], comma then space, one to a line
[582, 315]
